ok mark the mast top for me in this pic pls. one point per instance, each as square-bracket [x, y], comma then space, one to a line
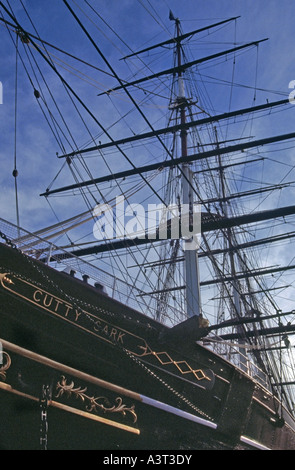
[180, 38]
[182, 67]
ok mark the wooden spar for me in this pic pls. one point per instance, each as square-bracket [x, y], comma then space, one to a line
[230, 165]
[178, 127]
[183, 67]
[173, 162]
[251, 192]
[249, 274]
[180, 37]
[259, 291]
[225, 279]
[274, 348]
[279, 384]
[247, 320]
[261, 332]
[207, 225]
[218, 251]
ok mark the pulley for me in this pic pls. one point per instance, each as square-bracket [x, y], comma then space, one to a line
[23, 36]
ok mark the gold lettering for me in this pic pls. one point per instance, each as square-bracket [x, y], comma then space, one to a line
[77, 314]
[120, 337]
[35, 295]
[105, 329]
[68, 307]
[58, 302]
[113, 333]
[45, 300]
[48, 301]
[97, 326]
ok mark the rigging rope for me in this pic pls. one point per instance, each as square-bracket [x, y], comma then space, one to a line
[15, 171]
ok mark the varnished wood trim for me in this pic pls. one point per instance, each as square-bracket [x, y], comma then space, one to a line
[264, 406]
[72, 410]
[69, 370]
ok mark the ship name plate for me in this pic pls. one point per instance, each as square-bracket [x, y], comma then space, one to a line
[99, 327]
[75, 315]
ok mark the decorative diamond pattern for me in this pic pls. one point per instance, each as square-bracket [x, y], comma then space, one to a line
[183, 366]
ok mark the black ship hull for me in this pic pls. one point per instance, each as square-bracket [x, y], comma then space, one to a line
[82, 371]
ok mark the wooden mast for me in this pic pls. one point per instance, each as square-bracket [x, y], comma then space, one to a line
[191, 265]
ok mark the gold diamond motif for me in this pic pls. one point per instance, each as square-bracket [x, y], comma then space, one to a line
[164, 363]
[183, 367]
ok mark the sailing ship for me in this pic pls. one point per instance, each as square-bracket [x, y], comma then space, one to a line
[150, 336]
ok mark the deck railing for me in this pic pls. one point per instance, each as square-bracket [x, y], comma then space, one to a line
[236, 354]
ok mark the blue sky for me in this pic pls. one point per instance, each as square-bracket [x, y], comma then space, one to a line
[137, 23]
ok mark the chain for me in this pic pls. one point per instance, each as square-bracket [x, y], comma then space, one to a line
[45, 396]
[169, 387]
[8, 241]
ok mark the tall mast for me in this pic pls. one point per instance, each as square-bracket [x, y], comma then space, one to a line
[235, 285]
[193, 298]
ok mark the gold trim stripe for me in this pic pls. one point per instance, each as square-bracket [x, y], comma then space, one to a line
[102, 383]
[72, 410]
[85, 414]
[69, 370]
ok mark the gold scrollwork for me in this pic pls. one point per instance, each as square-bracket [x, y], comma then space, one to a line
[93, 404]
[5, 366]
